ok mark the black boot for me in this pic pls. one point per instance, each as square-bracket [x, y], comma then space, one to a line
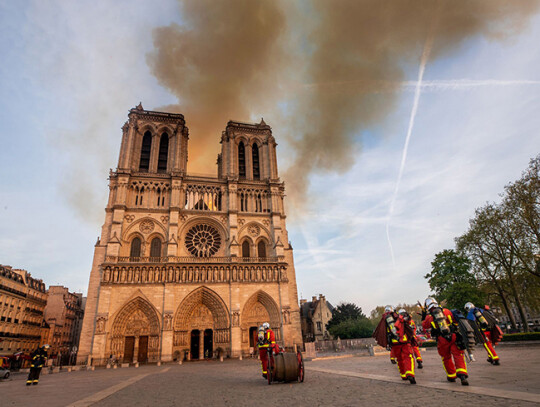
[451, 379]
[393, 361]
[496, 362]
[490, 360]
[411, 379]
[464, 381]
[420, 366]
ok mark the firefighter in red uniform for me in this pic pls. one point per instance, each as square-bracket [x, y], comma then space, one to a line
[477, 315]
[444, 328]
[399, 338]
[416, 350]
[266, 340]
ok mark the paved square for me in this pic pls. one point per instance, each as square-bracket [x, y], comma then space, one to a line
[351, 381]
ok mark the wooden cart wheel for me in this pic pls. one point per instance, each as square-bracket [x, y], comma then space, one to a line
[300, 366]
[270, 369]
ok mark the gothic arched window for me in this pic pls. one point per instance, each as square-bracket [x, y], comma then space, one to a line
[155, 247]
[241, 160]
[256, 166]
[245, 249]
[135, 249]
[144, 164]
[163, 153]
[261, 249]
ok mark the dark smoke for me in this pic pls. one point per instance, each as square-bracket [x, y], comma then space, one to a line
[232, 57]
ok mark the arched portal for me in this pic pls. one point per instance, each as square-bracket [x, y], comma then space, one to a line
[202, 316]
[135, 332]
[258, 309]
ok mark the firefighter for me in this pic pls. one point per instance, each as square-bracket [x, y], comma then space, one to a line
[266, 340]
[39, 358]
[416, 351]
[398, 337]
[477, 315]
[444, 329]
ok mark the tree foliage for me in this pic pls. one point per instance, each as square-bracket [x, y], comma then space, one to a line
[349, 322]
[452, 281]
[503, 244]
[352, 328]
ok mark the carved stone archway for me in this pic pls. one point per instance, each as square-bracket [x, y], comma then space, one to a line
[139, 322]
[201, 310]
[258, 309]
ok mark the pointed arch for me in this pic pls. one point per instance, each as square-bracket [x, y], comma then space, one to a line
[144, 163]
[241, 160]
[138, 316]
[255, 161]
[135, 250]
[259, 307]
[163, 152]
[208, 298]
[246, 248]
[155, 247]
[262, 248]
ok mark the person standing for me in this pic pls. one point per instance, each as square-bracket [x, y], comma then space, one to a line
[476, 315]
[266, 340]
[39, 358]
[443, 327]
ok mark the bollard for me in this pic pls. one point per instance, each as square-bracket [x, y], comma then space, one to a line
[115, 366]
[180, 362]
[137, 364]
[371, 352]
[221, 358]
[159, 363]
[108, 366]
[240, 358]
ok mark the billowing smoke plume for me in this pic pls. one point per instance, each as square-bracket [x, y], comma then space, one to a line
[230, 57]
[224, 58]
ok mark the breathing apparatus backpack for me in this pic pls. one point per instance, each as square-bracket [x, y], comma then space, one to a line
[480, 318]
[440, 322]
[261, 340]
[390, 323]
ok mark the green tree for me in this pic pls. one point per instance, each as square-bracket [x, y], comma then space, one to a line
[452, 281]
[343, 312]
[349, 322]
[352, 328]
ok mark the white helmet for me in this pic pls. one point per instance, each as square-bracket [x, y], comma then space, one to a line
[388, 308]
[402, 311]
[266, 325]
[46, 346]
[430, 303]
[469, 306]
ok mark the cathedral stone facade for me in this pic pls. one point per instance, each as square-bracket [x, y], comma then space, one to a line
[190, 265]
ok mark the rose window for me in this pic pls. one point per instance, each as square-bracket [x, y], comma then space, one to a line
[203, 240]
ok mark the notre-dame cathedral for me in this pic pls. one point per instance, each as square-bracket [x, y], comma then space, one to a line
[186, 265]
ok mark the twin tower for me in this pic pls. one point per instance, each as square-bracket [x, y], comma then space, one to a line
[189, 266]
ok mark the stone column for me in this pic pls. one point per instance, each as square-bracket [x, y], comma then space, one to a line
[201, 344]
[136, 349]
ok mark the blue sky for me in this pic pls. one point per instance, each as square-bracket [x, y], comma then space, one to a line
[71, 71]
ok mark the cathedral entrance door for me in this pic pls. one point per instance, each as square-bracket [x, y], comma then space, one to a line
[208, 343]
[128, 349]
[195, 338]
[253, 337]
[142, 357]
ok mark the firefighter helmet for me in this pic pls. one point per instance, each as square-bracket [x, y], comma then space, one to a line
[402, 311]
[266, 325]
[469, 306]
[388, 308]
[46, 346]
[430, 303]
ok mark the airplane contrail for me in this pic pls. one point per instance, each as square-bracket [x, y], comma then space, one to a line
[425, 55]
